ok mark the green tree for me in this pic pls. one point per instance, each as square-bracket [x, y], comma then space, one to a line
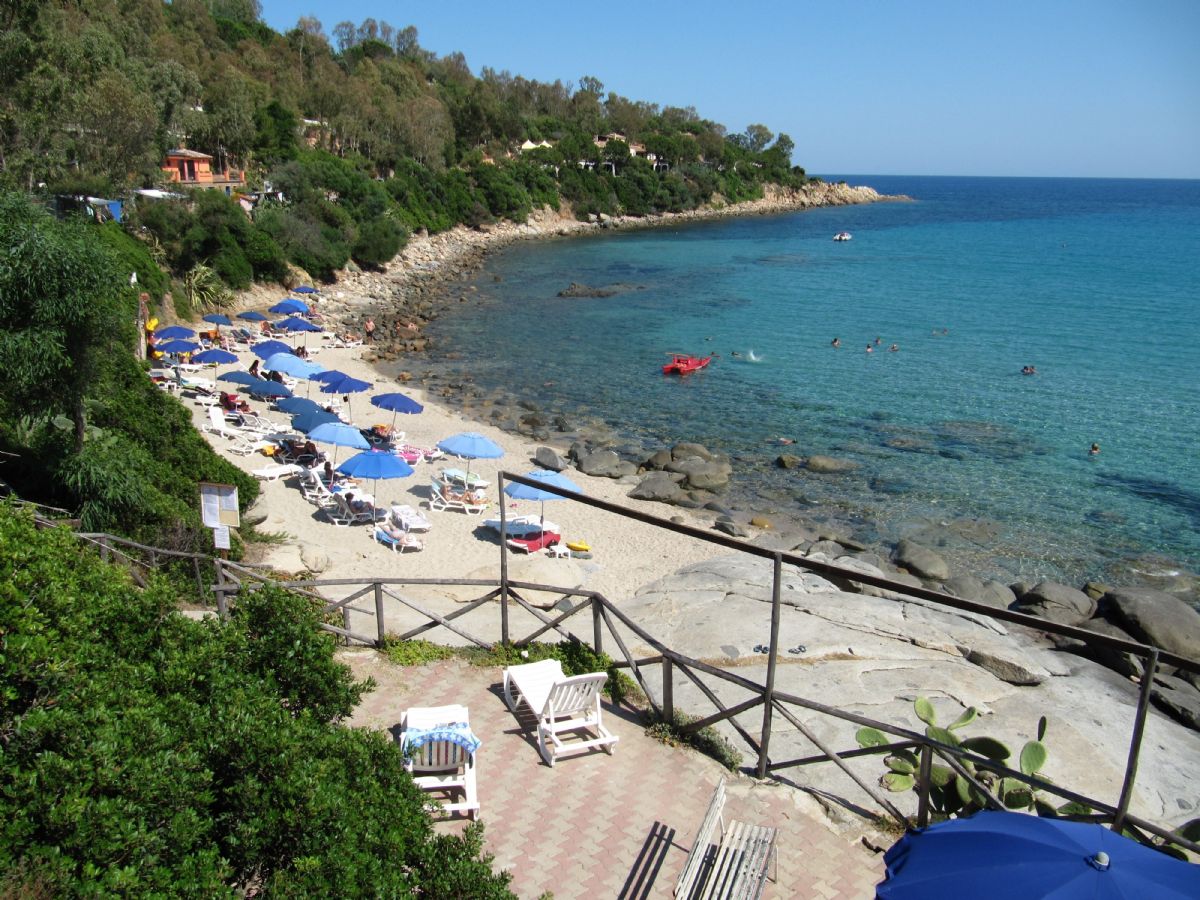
[61, 311]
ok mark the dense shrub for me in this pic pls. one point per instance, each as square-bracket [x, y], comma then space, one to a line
[149, 755]
[378, 242]
[132, 256]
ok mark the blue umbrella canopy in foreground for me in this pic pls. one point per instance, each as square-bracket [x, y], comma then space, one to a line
[252, 316]
[215, 356]
[375, 464]
[264, 388]
[524, 492]
[177, 347]
[470, 445]
[173, 331]
[291, 364]
[266, 349]
[1013, 856]
[218, 319]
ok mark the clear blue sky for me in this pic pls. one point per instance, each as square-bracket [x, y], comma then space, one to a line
[936, 87]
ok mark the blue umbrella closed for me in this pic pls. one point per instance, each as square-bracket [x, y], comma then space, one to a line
[340, 435]
[294, 324]
[238, 378]
[215, 356]
[291, 364]
[252, 316]
[264, 388]
[304, 289]
[295, 405]
[1013, 856]
[218, 319]
[177, 347]
[287, 306]
[306, 420]
[264, 349]
[173, 331]
[524, 492]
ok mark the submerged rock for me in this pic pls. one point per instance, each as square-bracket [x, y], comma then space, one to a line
[920, 561]
[829, 465]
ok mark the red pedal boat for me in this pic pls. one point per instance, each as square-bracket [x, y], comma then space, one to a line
[682, 363]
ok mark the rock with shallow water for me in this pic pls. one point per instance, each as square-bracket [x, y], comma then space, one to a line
[920, 560]
[1057, 603]
[1156, 617]
[829, 465]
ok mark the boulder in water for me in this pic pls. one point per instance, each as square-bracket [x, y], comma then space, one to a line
[1156, 617]
[920, 561]
[1057, 603]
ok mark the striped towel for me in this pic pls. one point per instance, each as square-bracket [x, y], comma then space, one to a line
[454, 732]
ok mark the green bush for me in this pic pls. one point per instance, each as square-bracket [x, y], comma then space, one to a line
[378, 242]
[150, 755]
[132, 256]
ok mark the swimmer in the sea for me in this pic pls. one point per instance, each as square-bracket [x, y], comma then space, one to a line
[1094, 450]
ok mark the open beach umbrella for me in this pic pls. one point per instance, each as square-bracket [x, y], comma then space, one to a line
[238, 378]
[470, 445]
[524, 492]
[397, 403]
[252, 316]
[173, 331]
[265, 349]
[345, 385]
[295, 405]
[265, 388]
[304, 289]
[177, 347]
[215, 356]
[340, 435]
[287, 306]
[218, 319]
[307, 419]
[375, 464]
[331, 375]
[291, 364]
[1013, 856]
[293, 324]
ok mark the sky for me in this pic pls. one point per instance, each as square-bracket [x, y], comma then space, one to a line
[1084, 88]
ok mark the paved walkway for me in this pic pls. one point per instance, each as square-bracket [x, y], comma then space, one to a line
[600, 826]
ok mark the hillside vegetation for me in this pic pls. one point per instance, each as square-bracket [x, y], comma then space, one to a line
[368, 136]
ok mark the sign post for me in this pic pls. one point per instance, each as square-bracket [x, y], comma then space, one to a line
[219, 511]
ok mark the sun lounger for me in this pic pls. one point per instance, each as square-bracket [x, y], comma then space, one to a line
[398, 544]
[439, 751]
[276, 471]
[532, 543]
[520, 526]
[409, 519]
[442, 496]
[561, 705]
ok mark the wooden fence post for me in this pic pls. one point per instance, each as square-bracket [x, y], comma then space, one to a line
[380, 631]
[199, 577]
[597, 625]
[769, 690]
[503, 562]
[1135, 742]
[668, 690]
[104, 549]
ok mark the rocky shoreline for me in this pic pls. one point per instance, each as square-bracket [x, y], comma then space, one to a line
[429, 276]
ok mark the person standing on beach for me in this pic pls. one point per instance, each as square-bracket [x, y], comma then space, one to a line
[369, 328]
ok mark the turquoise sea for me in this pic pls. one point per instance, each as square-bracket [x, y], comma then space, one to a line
[1096, 283]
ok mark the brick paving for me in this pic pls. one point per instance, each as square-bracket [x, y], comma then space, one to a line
[596, 825]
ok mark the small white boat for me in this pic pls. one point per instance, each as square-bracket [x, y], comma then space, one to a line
[843, 236]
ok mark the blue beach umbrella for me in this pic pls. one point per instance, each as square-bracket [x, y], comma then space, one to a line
[397, 403]
[173, 331]
[340, 435]
[1013, 856]
[265, 349]
[291, 364]
[264, 388]
[304, 289]
[331, 375]
[287, 306]
[345, 385]
[252, 316]
[296, 405]
[238, 378]
[294, 324]
[375, 465]
[470, 445]
[215, 356]
[218, 319]
[308, 419]
[177, 347]
[524, 492]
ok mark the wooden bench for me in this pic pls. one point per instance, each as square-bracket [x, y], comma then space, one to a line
[733, 867]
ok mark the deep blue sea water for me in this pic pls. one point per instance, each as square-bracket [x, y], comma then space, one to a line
[1094, 282]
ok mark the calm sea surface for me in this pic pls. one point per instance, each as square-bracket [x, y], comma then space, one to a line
[1094, 282]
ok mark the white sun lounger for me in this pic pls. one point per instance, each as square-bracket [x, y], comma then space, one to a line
[561, 705]
[442, 763]
[276, 471]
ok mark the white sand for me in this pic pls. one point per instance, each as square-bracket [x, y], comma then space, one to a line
[625, 554]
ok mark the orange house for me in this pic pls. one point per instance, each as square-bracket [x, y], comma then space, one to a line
[191, 167]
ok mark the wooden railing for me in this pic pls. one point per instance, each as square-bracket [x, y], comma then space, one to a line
[233, 578]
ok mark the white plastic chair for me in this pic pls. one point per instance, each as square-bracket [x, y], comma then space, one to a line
[561, 705]
[441, 766]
